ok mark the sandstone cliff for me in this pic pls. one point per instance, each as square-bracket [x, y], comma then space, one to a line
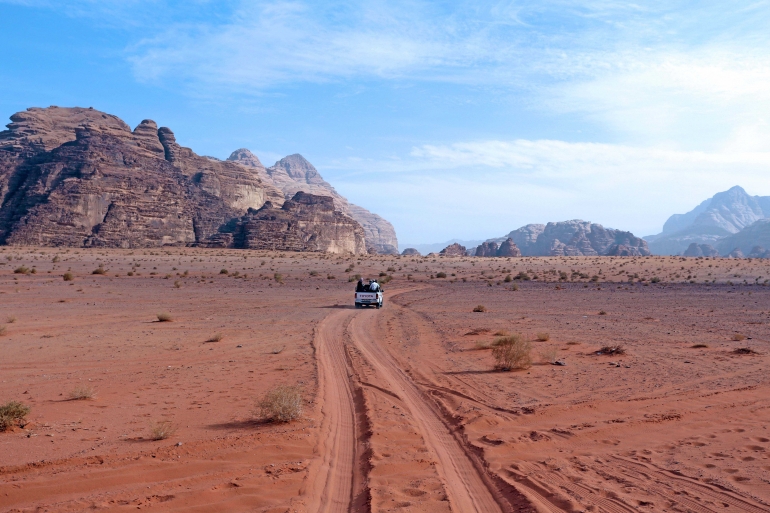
[294, 173]
[454, 250]
[80, 177]
[508, 248]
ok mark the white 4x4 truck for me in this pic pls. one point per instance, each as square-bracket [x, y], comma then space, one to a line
[369, 299]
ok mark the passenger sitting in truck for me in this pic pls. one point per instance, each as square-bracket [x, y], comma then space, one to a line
[360, 287]
[374, 286]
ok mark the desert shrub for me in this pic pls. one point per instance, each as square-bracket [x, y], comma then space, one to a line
[2, 330]
[391, 269]
[177, 284]
[513, 352]
[330, 277]
[655, 279]
[602, 312]
[612, 350]
[383, 274]
[737, 337]
[164, 317]
[700, 346]
[12, 413]
[99, 270]
[501, 333]
[508, 278]
[522, 276]
[10, 319]
[594, 278]
[483, 344]
[515, 287]
[162, 429]
[224, 271]
[282, 403]
[385, 280]
[441, 275]
[130, 273]
[216, 337]
[68, 277]
[313, 273]
[543, 336]
[548, 354]
[480, 308]
[744, 350]
[81, 392]
[22, 270]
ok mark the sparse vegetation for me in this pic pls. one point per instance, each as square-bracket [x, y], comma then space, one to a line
[177, 284]
[216, 337]
[512, 352]
[282, 403]
[700, 346]
[81, 393]
[164, 317]
[602, 312]
[13, 413]
[22, 270]
[744, 350]
[543, 336]
[612, 350]
[737, 337]
[224, 271]
[501, 333]
[480, 309]
[162, 429]
[99, 270]
[68, 277]
[441, 275]
[2, 330]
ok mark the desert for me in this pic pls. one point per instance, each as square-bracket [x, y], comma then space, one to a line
[403, 409]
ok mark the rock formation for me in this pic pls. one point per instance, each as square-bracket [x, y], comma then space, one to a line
[294, 173]
[454, 250]
[80, 177]
[701, 250]
[736, 253]
[304, 223]
[410, 252]
[487, 249]
[756, 234]
[490, 249]
[723, 215]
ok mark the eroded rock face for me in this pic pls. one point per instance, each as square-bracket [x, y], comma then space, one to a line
[410, 252]
[454, 250]
[304, 223]
[80, 177]
[759, 252]
[576, 238]
[294, 173]
[700, 250]
[508, 249]
[490, 249]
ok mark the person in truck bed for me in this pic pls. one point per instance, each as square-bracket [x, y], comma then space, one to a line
[374, 286]
[360, 287]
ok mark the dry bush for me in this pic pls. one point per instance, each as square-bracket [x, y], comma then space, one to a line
[278, 350]
[10, 319]
[162, 429]
[177, 284]
[515, 287]
[602, 312]
[543, 336]
[548, 354]
[480, 309]
[22, 270]
[737, 337]
[81, 393]
[282, 403]
[513, 352]
[700, 346]
[68, 277]
[612, 350]
[2, 330]
[483, 344]
[441, 275]
[744, 350]
[224, 271]
[99, 270]
[278, 277]
[216, 337]
[164, 317]
[501, 333]
[12, 413]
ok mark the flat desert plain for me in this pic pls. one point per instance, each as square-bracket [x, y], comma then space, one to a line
[403, 409]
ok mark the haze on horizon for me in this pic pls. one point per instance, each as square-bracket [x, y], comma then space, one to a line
[450, 119]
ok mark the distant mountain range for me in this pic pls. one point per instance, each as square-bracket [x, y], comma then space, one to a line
[729, 220]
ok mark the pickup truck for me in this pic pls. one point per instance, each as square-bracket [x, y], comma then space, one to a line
[369, 299]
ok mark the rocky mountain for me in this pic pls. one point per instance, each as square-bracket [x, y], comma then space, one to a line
[723, 215]
[80, 177]
[575, 238]
[294, 173]
[750, 241]
[508, 248]
[701, 250]
[454, 250]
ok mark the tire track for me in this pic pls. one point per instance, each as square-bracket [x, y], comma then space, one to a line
[335, 479]
[468, 488]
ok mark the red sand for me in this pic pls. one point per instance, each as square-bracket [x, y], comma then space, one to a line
[404, 411]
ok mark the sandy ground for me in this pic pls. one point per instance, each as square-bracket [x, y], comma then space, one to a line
[403, 410]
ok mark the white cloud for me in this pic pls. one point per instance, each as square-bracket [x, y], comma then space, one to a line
[487, 188]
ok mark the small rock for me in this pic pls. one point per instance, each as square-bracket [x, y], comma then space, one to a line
[560, 362]
[239, 345]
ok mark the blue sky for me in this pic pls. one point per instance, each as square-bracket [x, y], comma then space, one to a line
[450, 119]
